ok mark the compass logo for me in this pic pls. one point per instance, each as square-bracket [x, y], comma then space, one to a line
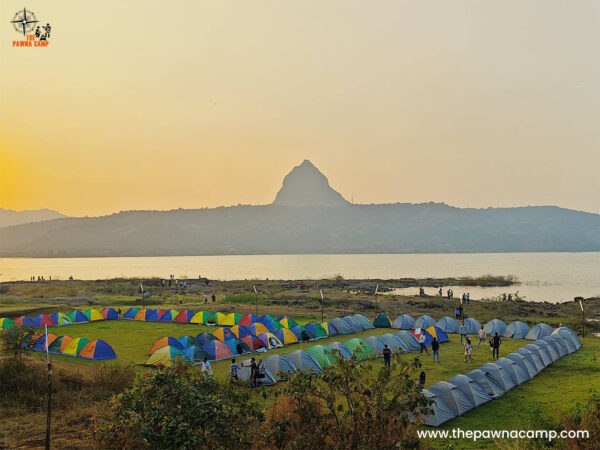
[35, 32]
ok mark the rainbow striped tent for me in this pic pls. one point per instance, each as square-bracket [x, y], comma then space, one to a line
[165, 356]
[131, 313]
[43, 319]
[60, 319]
[288, 323]
[168, 316]
[184, 316]
[202, 317]
[240, 331]
[97, 349]
[269, 340]
[78, 317]
[315, 330]
[109, 314]
[217, 350]
[247, 320]
[6, 323]
[59, 344]
[93, 315]
[231, 319]
[286, 336]
[74, 347]
[203, 338]
[257, 328]
[165, 342]
[25, 321]
[273, 325]
[223, 334]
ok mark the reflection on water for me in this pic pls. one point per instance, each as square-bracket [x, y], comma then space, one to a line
[544, 276]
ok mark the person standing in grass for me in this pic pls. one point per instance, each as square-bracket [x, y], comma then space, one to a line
[468, 349]
[435, 348]
[480, 336]
[387, 355]
[233, 370]
[462, 329]
[206, 367]
[422, 344]
[496, 346]
[119, 313]
[213, 297]
[421, 379]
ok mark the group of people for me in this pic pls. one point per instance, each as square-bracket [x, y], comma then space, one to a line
[257, 371]
[41, 278]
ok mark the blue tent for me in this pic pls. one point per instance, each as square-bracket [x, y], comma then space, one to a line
[569, 335]
[363, 321]
[516, 330]
[130, 313]
[494, 326]
[110, 314]
[376, 343]
[472, 325]
[341, 349]
[187, 341]
[340, 326]
[304, 361]
[151, 315]
[409, 340]
[195, 353]
[404, 322]
[60, 319]
[424, 321]
[394, 342]
[233, 345]
[280, 366]
[97, 349]
[538, 331]
[353, 324]
[204, 338]
[448, 324]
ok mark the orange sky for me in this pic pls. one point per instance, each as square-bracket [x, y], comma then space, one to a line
[159, 105]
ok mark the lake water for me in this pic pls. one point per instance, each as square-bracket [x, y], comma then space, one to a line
[544, 276]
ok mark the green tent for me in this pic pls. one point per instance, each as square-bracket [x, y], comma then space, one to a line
[322, 354]
[382, 321]
[316, 330]
[6, 323]
[359, 346]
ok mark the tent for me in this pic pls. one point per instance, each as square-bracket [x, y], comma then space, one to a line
[164, 342]
[499, 375]
[337, 348]
[6, 323]
[93, 315]
[223, 334]
[257, 328]
[266, 318]
[240, 331]
[551, 351]
[524, 362]
[409, 340]
[147, 314]
[203, 338]
[322, 355]
[424, 321]
[131, 313]
[570, 335]
[273, 325]
[217, 318]
[269, 340]
[437, 333]
[417, 332]
[301, 333]
[538, 331]
[315, 330]
[195, 353]
[404, 322]
[304, 361]
[382, 321]
[541, 353]
[60, 319]
[184, 316]
[288, 323]
[565, 342]
[341, 327]
[556, 346]
[472, 325]
[376, 343]
[458, 402]
[252, 342]
[217, 350]
[237, 346]
[165, 356]
[329, 329]
[168, 316]
[74, 347]
[77, 317]
[186, 341]
[353, 324]
[285, 336]
[97, 349]
[359, 347]
[40, 344]
[231, 319]
[517, 372]
[447, 324]
[394, 342]
[58, 345]
[494, 326]
[476, 394]
[245, 372]
[247, 320]
[488, 383]
[201, 317]
[441, 412]
[43, 319]
[280, 367]
[109, 314]
[516, 330]
[25, 321]
[363, 321]
[533, 357]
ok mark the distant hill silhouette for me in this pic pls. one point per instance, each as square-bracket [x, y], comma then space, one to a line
[9, 217]
[308, 216]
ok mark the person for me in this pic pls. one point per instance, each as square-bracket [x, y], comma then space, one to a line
[435, 349]
[504, 296]
[468, 349]
[206, 367]
[422, 344]
[480, 336]
[260, 372]
[509, 296]
[449, 293]
[387, 355]
[119, 313]
[468, 297]
[440, 292]
[464, 297]
[213, 297]
[252, 372]
[457, 313]
[421, 379]
[496, 346]
[462, 329]
[205, 299]
[461, 311]
[233, 370]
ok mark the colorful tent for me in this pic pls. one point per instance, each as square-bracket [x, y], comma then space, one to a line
[404, 322]
[240, 331]
[184, 316]
[6, 323]
[141, 314]
[376, 343]
[266, 318]
[203, 338]
[315, 330]
[247, 320]
[516, 330]
[304, 361]
[109, 314]
[187, 341]
[280, 367]
[60, 319]
[448, 324]
[93, 315]
[359, 347]
[257, 328]
[382, 321]
[424, 321]
[330, 330]
[473, 326]
[237, 346]
[218, 319]
[195, 354]
[217, 350]
[252, 342]
[164, 342]
[494, 326]
[74, 347]
[340, 326]
[165, 356]
[269, 340]
[438, 333]
[59, 344]
[322, 355]
[204, 317]
[288, 323]
[168, 316]
[273, 325]
[286, 336]
[25, 321]
[223, 334]
[538, 331]
[301, 333]
[231, 319]
[363, 321]
[78, 317]
[41, 344]
[43, 319]
[339, 349]
[97, 349]
[131, 313]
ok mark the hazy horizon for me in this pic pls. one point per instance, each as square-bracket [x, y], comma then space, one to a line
[473, 104]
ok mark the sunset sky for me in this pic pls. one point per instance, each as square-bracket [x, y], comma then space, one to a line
[160, 105]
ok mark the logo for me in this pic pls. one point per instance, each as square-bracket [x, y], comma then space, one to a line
[36, 34]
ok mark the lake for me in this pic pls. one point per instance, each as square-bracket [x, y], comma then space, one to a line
[544, 276]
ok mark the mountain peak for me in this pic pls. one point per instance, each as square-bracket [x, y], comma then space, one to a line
[305, 185]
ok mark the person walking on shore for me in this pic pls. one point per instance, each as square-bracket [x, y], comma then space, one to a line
[496, 346]
[435, 349]
[480, 336]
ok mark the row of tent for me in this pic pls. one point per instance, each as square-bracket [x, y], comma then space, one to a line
[80, 347]
[463, 393]
[59, 318]
[515, 330]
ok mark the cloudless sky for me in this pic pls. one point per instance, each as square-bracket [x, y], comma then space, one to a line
[167, 104]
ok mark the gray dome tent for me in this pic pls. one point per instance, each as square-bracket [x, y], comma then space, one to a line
[533, 356]
[363, 321]
[343, 351]
[489, 384]
[280, 366]
[409, 340]
[341, 326]
[440, 411]
[304, 361]
[525, 362]
[566, 343]
[471, 388]
[569, 334]
[516, 330]
[472, 325]
[550, 349]
[518, 374]
[541, 352]
[376, 343]
[424, 321]
[404, 322]
[556, 345]
[538, 331]
[494, 326]
[499, 375]
[352, 324]
[448, 324]
[456, 399]
[394, 342]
